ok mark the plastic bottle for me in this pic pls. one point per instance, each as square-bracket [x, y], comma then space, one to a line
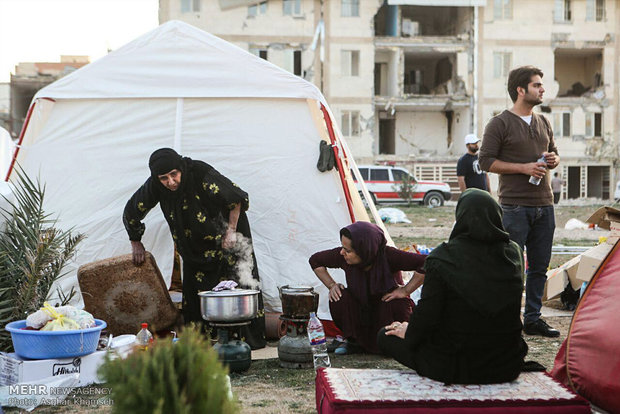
[144, 338]
[534, 180]
[316, 335]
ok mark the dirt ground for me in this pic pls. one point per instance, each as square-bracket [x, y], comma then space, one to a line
[266, 388]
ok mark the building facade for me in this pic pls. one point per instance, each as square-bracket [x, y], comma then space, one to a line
[408, 79]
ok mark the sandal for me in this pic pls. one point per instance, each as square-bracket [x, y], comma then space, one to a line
[335, 344]
[348, 348]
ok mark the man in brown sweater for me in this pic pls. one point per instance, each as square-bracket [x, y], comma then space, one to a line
[512, 143]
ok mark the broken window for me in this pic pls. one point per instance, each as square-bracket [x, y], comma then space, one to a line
[350, 8]
[350, 62]
[562, 11]
[561, 124]
[291, 7]
[190, 6]
[594, 124]
[595, 10]
[502, 9]
[430, 73]
[256, 9]
[502, 62]
[350, 123]
[578, 71]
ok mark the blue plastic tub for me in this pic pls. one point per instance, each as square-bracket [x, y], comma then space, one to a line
[54, 344]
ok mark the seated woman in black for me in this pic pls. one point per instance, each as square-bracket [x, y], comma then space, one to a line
[466, 328]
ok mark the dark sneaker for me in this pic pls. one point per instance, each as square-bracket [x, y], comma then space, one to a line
[541, 328]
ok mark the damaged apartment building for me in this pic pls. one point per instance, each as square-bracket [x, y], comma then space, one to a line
[408, 79]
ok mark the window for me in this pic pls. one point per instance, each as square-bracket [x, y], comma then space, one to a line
[562, 11]
[594, 124]
[502, 9]
[350, 8]
[350, 123]
[350, 62]
[400, 175]
[189, 6]
[561, 124]
[256, 9]
[261, 53]
[379, 174]
[595, 10]
[363, 171]
[502, 62]
[291, 7]
[297, 62]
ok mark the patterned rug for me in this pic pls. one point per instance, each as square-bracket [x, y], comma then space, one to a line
[396, 385]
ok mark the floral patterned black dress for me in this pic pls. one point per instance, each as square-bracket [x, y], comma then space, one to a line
[197, 214]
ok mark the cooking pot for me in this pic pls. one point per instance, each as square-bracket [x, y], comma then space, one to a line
[298, 301]
[233, 305]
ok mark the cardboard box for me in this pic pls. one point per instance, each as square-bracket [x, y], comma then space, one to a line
[604, 216]
[14, 369]
[558, 278]
[590, 261]
[614, 233]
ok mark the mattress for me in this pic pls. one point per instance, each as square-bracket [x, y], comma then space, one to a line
[400, 391]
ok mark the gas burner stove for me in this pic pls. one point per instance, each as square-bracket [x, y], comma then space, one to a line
[232, 352]
[294, 349]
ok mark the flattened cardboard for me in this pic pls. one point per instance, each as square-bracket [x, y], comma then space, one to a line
[603, 216]
[558, 278]
[590, 261]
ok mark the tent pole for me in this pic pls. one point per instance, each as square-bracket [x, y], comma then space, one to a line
[21, 137]
[345, 187]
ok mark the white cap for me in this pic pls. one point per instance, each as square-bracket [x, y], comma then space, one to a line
[471, 139]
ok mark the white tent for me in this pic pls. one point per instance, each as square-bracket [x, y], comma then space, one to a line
[88, 137]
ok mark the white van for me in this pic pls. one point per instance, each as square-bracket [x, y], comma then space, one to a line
[382, 182]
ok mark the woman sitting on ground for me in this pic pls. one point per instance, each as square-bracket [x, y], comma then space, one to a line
[375, 295]
[466, 328]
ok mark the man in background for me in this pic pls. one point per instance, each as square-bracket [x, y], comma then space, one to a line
[468, 170]
[556, 187]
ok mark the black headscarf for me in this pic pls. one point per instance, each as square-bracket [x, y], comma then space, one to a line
[164, 160]
[368, 241]
[479, 261]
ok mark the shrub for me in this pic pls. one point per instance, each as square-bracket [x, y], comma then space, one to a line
[33, 254]
[184, 377]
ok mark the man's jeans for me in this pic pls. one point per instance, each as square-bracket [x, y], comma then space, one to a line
[533, 228]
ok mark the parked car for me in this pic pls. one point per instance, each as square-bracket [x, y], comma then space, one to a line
[383, 182]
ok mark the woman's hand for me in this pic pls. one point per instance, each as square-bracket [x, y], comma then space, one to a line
[230, 238]
[398, 293]
[138, 252]
[397, 329]
[335, 292]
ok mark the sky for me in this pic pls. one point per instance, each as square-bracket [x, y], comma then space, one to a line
[42, 30]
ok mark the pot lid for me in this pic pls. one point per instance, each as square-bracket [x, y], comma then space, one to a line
[229, 292]
[296, 289]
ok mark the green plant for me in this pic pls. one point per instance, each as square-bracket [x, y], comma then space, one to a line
[33, 253]
[184, 377]
[406, 188]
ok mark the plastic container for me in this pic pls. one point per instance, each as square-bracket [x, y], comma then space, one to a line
[32, 344]
[144, 338]
[316, 335]
[534, 180]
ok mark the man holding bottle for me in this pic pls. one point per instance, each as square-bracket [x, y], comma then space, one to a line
[513, 146]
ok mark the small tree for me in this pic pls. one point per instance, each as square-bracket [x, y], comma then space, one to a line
[33, 254]
[406, 188]
[179, 378]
